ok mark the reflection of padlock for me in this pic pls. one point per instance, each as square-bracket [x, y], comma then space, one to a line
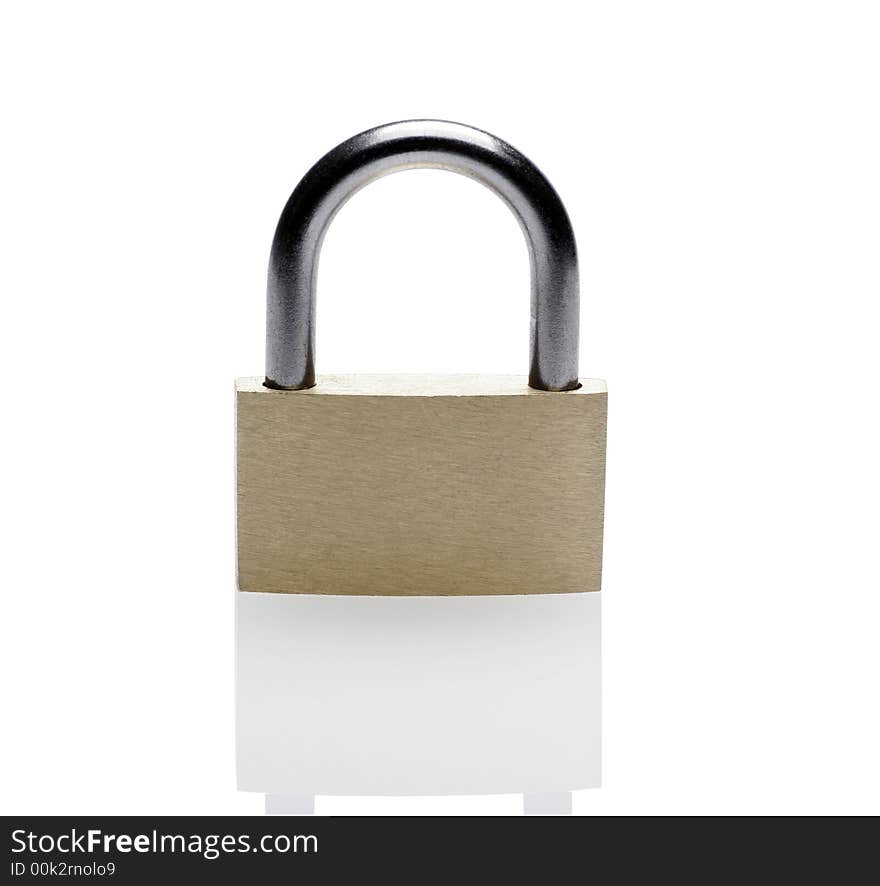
[421, 485]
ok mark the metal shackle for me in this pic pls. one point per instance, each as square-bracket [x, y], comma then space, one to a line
[411, 144]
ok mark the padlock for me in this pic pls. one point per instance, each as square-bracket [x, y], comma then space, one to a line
[421, 485]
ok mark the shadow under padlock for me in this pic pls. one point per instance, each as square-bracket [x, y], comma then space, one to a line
[410, 632]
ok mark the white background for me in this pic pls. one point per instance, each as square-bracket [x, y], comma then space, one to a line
[720, 165]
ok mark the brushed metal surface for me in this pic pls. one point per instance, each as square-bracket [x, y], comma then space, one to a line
[420, 485]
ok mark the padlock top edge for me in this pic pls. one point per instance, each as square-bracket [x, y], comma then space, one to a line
[420, 385]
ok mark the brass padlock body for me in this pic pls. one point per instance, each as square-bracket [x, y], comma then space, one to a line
[420, 485]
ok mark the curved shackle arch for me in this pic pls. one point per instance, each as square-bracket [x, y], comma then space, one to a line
[410, 144]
